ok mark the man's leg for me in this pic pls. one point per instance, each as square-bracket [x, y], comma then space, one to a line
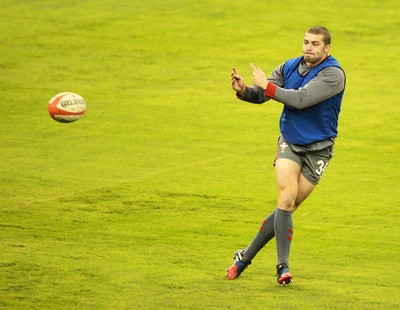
[263, 236]
[293, 189]
[267, 231]
[267, 228]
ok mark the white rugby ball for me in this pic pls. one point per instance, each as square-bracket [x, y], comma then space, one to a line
[67, 107]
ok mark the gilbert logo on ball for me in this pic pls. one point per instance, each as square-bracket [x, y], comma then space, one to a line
[67, 107]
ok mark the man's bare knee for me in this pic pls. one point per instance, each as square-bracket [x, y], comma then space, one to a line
[287, 202]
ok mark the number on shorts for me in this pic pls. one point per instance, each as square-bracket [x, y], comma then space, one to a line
[322, 166]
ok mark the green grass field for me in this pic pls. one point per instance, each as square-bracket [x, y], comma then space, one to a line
[141, 203]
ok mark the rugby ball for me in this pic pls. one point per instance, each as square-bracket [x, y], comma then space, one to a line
[67, 107]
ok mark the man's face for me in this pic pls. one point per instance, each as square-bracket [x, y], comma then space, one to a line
[314, 49]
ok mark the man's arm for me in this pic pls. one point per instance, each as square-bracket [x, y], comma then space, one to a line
[256, 94]
[328, 83]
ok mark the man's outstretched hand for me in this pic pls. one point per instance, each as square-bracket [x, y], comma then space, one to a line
[238, 83]
[259, 78]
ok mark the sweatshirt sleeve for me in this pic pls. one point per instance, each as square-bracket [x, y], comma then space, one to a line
[328, 83]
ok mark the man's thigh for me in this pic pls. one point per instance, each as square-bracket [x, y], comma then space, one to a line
[293, 187]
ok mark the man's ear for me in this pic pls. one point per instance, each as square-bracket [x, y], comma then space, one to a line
[327, 48]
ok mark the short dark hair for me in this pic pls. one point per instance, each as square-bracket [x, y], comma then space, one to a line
[326, 36]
